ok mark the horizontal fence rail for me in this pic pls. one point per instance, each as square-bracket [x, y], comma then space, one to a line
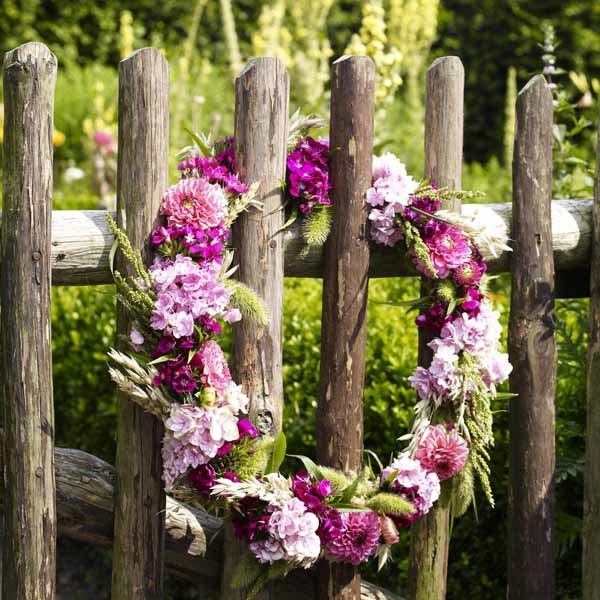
[81, 243]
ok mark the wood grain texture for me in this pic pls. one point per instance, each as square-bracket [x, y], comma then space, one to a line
[143, 160]
[29, 557]
[345, 288]
[591, 504]
[261, 126]
[81, 242]
[444, 117]
[532, 351]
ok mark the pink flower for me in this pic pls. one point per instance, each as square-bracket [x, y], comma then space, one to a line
[292, 535]
[268, 551]
[442, 451]
[194, 202]
[214, 366]
[448, 249]
[412, 482]
[357, 539]
[233, 315]
[389, 532]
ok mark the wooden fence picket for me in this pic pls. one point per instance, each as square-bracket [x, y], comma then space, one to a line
[591, 504]
[443, 165]
[345, 286]
[142, 178]
[261, 129]
[532, 351]
[29, 556]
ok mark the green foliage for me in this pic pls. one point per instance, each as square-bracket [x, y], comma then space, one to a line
[316, 226]
[385, 503]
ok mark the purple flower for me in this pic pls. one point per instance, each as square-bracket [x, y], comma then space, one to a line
[308, 173]
[357, 539]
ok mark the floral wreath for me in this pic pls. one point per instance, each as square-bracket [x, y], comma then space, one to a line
[176, 369]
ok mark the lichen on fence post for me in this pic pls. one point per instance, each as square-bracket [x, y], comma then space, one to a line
[261, 128]
[345, 286]
[591, 503]
[142, 178]
[430, 536]
[29, 555]
[532, 351]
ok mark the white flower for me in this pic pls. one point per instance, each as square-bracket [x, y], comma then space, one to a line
[73, 174]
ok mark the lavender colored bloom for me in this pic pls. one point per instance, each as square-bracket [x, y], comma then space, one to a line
[357, 539]
[411, 481]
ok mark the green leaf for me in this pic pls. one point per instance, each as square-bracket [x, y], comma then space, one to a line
[309, 465]
[371, 453]
[277, 454]
[160, 359]
[349, 492]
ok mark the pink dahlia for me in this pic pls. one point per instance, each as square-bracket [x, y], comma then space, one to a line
[442, 451]
[357, 539]
[194, 202]
[448, 249]
[214, 366]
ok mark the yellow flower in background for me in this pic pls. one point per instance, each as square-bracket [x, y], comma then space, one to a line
[58, 138]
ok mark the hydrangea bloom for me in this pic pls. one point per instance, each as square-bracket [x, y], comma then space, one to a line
[194, 202]
[357, 539]
[186, 292]
[412, 481]
[293, 535]
[193, 435]
[442, 451]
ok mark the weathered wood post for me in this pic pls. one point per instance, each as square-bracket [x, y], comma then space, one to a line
[142, 178]
[443, 165]
[29, 569]
[532, 351]
[261, 129]
[345, 285]
[591, 506]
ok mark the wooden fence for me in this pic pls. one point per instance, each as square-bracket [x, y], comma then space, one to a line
[49, 490]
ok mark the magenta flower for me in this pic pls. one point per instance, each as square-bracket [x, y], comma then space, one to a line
[442, 451]
[468, 274]
[194, 202]
[308, 173]
[357, 539]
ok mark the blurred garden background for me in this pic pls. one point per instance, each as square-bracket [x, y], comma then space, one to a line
[501, 43]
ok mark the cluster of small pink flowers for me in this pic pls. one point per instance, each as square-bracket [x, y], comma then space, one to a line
[388, 197]
[411, 480]
[292, 535]
[186, 292]
[479, 336]
[308, 173]
[194, 436]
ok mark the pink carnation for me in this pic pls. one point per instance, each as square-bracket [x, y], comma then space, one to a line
[214, 366]
[442, 451]
[194, 202]
[357, 539]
